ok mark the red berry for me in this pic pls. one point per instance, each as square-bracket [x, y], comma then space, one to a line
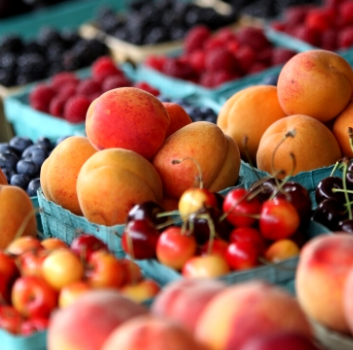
[220, 59]
[295, 15]
[56, 107]
[306, 34]
[242, 255]
[197, 60]
[281, 55]
[345, 12]
[253, 37]
[104, 67]
[222, 76]
[196, 38]
[333, 3]
[345, 37]
[233, 46]
[147, 87]
[156, 62]
[213, 43]
[76, 108]
[225, 35]
[257, 67]
[40, 97]
[265, 56]
[88, 87]
[178, 68]
[115, 81]
[329, 40]
[280, 26]
[319, 19]
[246, 57]
[60, 79]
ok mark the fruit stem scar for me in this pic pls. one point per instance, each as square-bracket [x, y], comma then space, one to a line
[200, 178]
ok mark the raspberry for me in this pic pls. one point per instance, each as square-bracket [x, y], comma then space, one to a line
[115, 81]
[253, 37]
[76, 108]
[104, 67]
[147, 87]
[88, 87]
[306, 34]
[156, 62]
[329, 40]
[178, 68]
[295, 15]
[225, 35]
[214, 79]
[63, 78]
[213, 43]
[345, 12]
[279, 26]
[95, 95]
[345, 37]
[281, 55]
[67, 90]
[40, 97]
[196, 38]
[265, 56]
[333, 3]
[197, 60]
[56, 106]
[320, 19]
[220, 58]
[233, 45]
[257, 67]
[246, 57]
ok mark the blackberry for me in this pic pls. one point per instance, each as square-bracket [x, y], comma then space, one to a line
[55, 51]
[7, 77]
[69, 37]
[192, 16]
[171, 19]
[8, 61]
[30, 67]
[32, 46]
[178, 33]
[209, 17]
[137, 5]
[163, 5]
[48, 35]
[11, 43]
[71, 61]
[55, 67]
[109, 25]
[261, 8]
[97, 49]
[121, 34]
[156, 35]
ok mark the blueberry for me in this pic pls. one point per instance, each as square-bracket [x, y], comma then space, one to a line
[35, 154]
[60, 139]
[33, 187]
[8, 160]
[194, 113]
[44, 143]
[27, 167]
[8, 173]
[4, 146]
[20, 143]
[20, 180]
[270, 80]
[206, 111]
[181, 102]
[211, 118]
[165, 99]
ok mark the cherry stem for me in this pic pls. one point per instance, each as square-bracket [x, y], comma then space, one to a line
[338, 163]
[234, 206]
[167, 213]
[212, 231]
[200, 178]
[350, 135]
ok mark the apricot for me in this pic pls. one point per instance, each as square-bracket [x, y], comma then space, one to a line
[247, 310]
[248, 113]
[177, 116]
[3, 180]
[199, 143]
[322, 271]
[151, 333]
[348, 300]
[16, 213]
[313, 146]
[112, 181]
[86, 324]
[318, 83]
[282, 249]
[60, 170]
[184, 300]
[128, 118]
[340, 129]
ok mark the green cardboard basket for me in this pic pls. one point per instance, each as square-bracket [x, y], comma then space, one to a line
[37, 341]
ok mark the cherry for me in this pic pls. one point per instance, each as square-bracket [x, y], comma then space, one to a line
[278, 219]
[267, 187]
[249, 234]
[201, 228]
[238, 207]
[175, 247]
[219, 246]
[242, 255]
[329, 213]
[324, 189]
[349, 177]
[85, 244]
[147, 210]
[220, 200]
[346, 225]
[139, 239]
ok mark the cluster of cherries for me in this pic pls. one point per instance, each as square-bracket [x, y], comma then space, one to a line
[217, 234]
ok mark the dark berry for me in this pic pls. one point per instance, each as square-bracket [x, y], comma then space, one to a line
[33, 187]
[45, 143]
[27, 167]
[20, 180]
[20, 143]
[35, 154]
[4, 146]
[11, 43]
[8, 160]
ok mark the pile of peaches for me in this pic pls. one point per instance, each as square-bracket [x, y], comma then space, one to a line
[37, 277]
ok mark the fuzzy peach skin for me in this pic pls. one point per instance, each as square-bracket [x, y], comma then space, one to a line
[87, 323]
[348, 300]
[185, 299]
[248, 113]
[217, 155]
[151, 333]
[340, 129]
[178, 117]
[112, 181]
[246, 310]
[314, 146]
[318, 83]
[16, 209]
[128, 118]
[59, 172]
[322, 271]
[3, 180]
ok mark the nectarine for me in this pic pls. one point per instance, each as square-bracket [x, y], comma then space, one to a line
[178, 117]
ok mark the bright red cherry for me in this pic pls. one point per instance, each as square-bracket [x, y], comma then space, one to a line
[85, 244]
[249, 234]
[240, 208]
[219, 246]
[278, 219]
[242, 255]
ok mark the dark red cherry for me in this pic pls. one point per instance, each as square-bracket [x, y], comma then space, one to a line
[346, 225]
[267, 187]
[329, 213]
[349, 177]
[147, 211]
[324, 189]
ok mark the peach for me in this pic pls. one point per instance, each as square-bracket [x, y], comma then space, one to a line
[318, 83]
[249, 113]
[86, 324]
[348, 300]
[151, 333]
[17, 215]
[313, 146]
[60, 170]
[177, 116]
[185, 299]
[3, 180]
[248, 310]
[169, 203]
[340, 129]
[112, 181]
[128, 118]
[322, 271]
[204, 142]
